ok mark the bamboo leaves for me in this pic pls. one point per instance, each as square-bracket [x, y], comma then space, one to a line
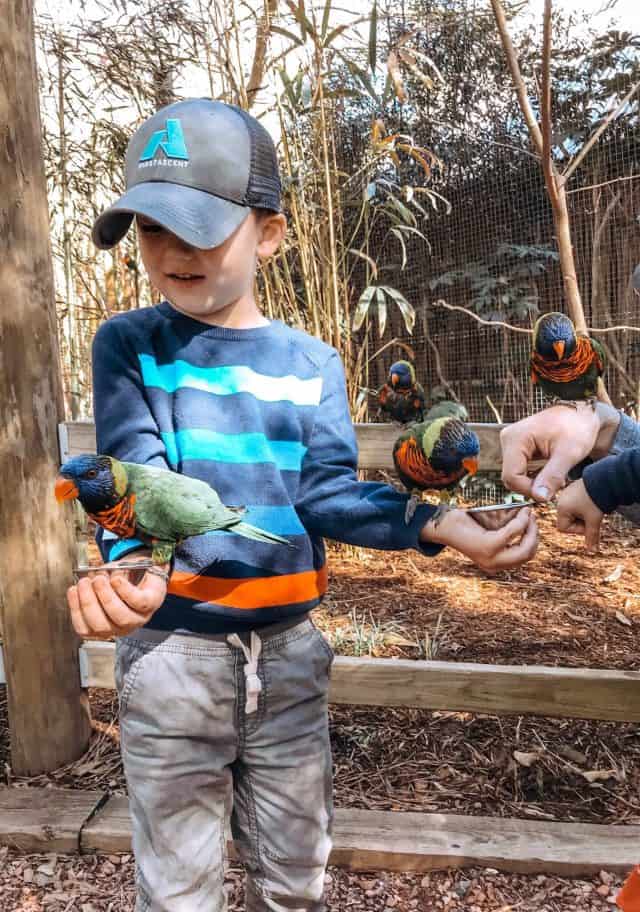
[380, 294]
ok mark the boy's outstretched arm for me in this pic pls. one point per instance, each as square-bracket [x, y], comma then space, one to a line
[332, 503]
[125, 426]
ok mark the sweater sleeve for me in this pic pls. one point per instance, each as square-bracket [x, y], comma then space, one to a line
[613, 483]
[125, 426]
[331, 502]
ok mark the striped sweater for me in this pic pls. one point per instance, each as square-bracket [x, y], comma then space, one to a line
[262, 416]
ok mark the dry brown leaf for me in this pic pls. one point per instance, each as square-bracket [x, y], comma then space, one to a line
[614, 575]
[396, 77]
[526, 759]
[599, 775]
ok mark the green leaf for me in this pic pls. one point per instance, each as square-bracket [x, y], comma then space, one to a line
[407, 215]
[359, 74]
[398, 234]
[382, 311]
[286, 34]
[369, 260]
[325, 18]
[407, 310]
[362, 307]
[373, 36]
[300, 15]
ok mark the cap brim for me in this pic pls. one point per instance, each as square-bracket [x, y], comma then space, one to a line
[196, 217]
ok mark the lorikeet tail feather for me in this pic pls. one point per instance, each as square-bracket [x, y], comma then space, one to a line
[249, 531]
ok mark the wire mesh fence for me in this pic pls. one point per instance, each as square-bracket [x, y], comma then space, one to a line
[492, 251]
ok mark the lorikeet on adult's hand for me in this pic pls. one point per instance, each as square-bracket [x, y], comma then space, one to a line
[159, 507]
[402, 397]
[565, 364]
[435, 455]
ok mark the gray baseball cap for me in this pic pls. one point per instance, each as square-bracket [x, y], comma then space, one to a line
[197, 167]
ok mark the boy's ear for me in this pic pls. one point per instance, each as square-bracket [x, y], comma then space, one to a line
[271, 231]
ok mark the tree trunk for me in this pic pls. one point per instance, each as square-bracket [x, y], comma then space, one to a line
[47, 710]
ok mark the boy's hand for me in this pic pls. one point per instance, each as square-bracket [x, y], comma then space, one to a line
[562, 436]
[578, 515]
[512, 545]
[109, 605]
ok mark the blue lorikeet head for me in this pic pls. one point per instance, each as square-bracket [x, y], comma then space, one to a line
[456, 447]
[98, 482]
[554, 337]
[402, 375]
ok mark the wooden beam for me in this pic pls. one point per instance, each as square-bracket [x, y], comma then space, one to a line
[375, 443]
[43, 819]
[48, 717]
[575, 693]
[393, 841]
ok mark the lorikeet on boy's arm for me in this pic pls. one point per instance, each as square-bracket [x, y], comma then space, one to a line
[402, 397]
[565, 364]
[435, 455]
[157, 506]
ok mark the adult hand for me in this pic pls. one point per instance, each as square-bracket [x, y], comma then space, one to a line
[578, 515]
[512, 545]
[106, 605]
[561, 435]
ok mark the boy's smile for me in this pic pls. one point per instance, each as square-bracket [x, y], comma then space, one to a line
[213, 285]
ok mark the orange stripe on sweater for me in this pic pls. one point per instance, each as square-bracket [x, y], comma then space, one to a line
[258, 592]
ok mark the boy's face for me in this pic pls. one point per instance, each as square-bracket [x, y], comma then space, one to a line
[202, 283]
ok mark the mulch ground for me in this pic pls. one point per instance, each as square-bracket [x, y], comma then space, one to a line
[34, 883]
[565, 608]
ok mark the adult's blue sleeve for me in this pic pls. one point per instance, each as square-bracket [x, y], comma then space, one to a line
[125, 426]
[332, 502]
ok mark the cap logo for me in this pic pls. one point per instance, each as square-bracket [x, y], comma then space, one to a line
[170, 141]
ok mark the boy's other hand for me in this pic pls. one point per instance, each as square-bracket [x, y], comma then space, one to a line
[503, 549]
[106, 605]
[578, 515]
[561, 435]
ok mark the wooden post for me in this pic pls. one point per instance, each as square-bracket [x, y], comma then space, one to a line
[47, 710]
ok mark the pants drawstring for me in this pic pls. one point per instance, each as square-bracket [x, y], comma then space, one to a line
[252, 681]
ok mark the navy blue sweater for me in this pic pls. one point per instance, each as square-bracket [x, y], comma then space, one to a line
[262, 416]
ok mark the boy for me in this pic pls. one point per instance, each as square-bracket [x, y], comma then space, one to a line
[223, 691]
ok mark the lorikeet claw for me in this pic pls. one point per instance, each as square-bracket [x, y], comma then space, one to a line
[162, 552]
[570, 403]
[440, 513]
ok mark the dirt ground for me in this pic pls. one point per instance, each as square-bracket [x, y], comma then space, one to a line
[565, 608]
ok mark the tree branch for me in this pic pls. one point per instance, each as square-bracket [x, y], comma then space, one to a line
[522, 329]
[516, 75]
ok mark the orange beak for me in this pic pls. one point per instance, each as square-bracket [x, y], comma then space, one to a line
[471, 465]
[558, 348]
[394, 379]
[65, 489]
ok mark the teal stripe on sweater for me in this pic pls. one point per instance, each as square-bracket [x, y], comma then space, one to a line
[203, 444]
[229, 379]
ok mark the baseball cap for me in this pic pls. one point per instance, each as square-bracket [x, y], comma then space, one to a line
[197, 167]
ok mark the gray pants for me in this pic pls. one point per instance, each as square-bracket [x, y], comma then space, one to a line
[192, 754]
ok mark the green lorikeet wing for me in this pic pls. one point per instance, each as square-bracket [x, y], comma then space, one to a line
[170, 507]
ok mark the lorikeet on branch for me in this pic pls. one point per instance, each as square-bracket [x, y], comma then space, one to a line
[435, 455]
[402, 397]
[565, 364]
[158, 506]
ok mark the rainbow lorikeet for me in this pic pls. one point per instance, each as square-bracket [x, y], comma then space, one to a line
[158, 506]
[565, 364]
[402, 397]
[435, 455]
